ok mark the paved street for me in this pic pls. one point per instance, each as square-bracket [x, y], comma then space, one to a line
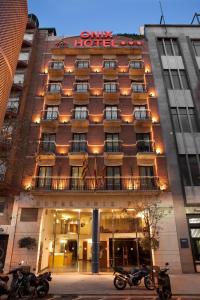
[115, 297]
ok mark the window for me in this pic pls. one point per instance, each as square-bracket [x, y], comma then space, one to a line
[2, 207]
[3, 168]
[141, 113]
[110, 87]
[79, 143]
[138, 88]
[184, 119]
[82, 64]
[80, 112]
[136, 64]
[28, 36]
[18, 78]
[113, 181]
[196, 47]
[111, 113]
[147, 179]
[109, 64]
[81, 87]
[144, 143]
[29, 215]
[54, 87]
[57, 65]
[47, 143]
[24, 56]
[77, 180]
[189, 170]
[112, 142]
[13, 104]
[51, 113]
[44, 177]
[168, 46]
[176, 79]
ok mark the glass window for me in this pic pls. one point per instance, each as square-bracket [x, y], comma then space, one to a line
[82, 64]
[168, 47]
[184, 170]
[29, 215]
[51, 113]
[44, 177]
[184, 120]
[79, 142]
[113, 178]
[194, 169]
[57, 65]
[112, 142]
[138, 88]
[196, 47]
[110, 87]
[161, 47]
[137, 64]
[176, 79]
[54, 87]
[176, 47]
[81, 87]
[193, 119]
[109, 64]
[175, 120]
[47, 143]
[184, 79]
[167, 79]
[80, 112]
[111, 113]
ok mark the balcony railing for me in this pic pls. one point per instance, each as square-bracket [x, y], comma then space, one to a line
[145, 146]
[141, 115]
[147, 183]
[113, 146]
[78, 146]
[47, 147]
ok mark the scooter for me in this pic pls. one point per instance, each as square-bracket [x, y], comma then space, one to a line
[163, 284]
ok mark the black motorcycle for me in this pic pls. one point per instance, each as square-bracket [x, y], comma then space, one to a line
[42, 284]
[133, 277]
[163, 284]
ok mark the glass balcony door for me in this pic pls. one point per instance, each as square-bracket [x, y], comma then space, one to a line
[111, 113]
[113, 181]
[80, 112]
[112, 142]
[44, 177]
[51, 113]
[48, 142]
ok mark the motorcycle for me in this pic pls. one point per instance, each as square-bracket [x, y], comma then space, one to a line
[133, 277]
[163, 284]
[26, 284]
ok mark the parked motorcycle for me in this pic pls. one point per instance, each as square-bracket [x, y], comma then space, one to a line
[164, 285]
[133, 277]
[27, 284]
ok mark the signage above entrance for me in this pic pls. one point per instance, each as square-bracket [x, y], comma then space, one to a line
[102, 39]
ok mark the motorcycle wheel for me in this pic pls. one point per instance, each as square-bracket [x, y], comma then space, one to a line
[43, 290]
[149, 284]
[119, 283]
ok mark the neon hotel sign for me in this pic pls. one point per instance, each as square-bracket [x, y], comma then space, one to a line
[99, 39]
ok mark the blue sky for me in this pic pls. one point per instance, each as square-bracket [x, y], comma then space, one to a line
[70, 17]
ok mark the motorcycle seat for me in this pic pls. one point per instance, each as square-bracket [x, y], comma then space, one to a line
[4, 278]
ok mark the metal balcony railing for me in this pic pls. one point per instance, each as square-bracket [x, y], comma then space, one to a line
[113, 146]
[78, 146]
[142, 114]
[145, 146]
[147, 183]
[47, 147]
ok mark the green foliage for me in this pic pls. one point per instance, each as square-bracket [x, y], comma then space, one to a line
[27, 242]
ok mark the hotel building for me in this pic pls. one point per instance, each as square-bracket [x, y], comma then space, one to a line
[95, 137]
[13, 19]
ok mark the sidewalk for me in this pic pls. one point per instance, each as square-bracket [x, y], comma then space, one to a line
[80, 284]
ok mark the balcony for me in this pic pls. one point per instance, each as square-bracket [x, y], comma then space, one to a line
[145, 151]
[111, 95]
[23, 59]
[136, 68]
[56, 70]
[18, 82]
[113, 154]
[52, 94]
[147, 184]
[77, 152]
[139, 94]
[49, 119]
[110, 68]
[112, 121]
[46, 153]
[84, 71]
[28, 39]
[79, 121]
[81, 94]
[142, 120]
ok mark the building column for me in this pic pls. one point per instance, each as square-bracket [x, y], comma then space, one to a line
[95, 240]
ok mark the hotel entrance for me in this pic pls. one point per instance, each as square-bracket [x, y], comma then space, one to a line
[66, 240]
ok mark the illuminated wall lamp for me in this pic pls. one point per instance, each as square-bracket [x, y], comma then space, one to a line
[163, 187]
[158, 151]
[154, 120]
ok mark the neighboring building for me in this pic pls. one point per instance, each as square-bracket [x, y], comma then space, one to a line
[13, 19]
[175, 56]
[12, 144]
[92, 147]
